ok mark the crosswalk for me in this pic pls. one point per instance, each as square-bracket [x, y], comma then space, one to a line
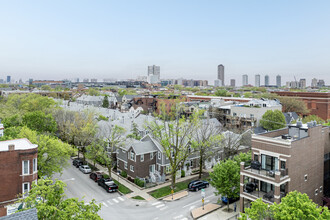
[113, 201]
[162, 206]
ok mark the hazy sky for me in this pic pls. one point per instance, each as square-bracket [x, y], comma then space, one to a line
[119, 39]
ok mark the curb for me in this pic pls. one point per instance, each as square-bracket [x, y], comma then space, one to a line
[205, 213]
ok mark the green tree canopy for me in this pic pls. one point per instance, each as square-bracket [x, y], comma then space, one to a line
[49, 199]
[294, 205]
[46, 87]
[221, 92]
[39, 121]
[225, 178]
[105, 103]
[312, 118]
[292, 104]
[273, 120]
[93, 92]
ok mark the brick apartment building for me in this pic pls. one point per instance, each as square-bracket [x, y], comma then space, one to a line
[317, 102]
[293, 158]
[18, 163]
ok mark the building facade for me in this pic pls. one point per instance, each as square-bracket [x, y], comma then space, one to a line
[153, 74]
[18, 160]
[221, 74]
[278, 81]
[266, 80]
[257, 80]
[285, 160]
[245, 80]
[232, 83]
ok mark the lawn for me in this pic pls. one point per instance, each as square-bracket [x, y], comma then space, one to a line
[165, 191]
[121, 188]
[138, 198]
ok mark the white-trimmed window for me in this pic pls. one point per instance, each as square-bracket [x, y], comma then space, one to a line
[142, 157]
[132, 156]
[168, 169]
[131, 168]
[25, 167]
[125, 165]
[34, 165]
[306, 177]
[25, 188]
[321, 189]
[316, 191]
[159, 155]
[151, 156]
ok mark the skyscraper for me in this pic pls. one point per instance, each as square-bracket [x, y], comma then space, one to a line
[153, 74]
[245, 80]
[266, 80]
[302, 83]
[8, 79]
[314, 82]
[232, 82]
[221, 74]
[278, 81]
[257, 80]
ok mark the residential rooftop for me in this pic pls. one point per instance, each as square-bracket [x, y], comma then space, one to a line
[19, 144]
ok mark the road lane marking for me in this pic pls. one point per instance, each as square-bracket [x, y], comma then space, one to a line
[105, 204]
[121, 199]
[156, 203]
[191, 207]
[161, 205]
[198, 201]
[115, 200]
[161, 209]
[110, 202]
[179, 216]
[68, 179]
[185, 218]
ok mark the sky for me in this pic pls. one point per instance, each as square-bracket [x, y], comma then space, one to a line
[186, 38]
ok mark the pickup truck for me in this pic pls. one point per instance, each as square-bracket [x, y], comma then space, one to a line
[108, 185]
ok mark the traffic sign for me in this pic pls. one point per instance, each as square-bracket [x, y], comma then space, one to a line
[203, 193]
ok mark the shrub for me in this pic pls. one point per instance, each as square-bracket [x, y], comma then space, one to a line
[123, 174]
[183, 173]
[139, 182]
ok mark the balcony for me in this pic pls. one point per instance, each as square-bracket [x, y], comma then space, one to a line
[254, 167]
[252, 191]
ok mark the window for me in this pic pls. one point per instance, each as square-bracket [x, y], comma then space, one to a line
[256, 157]
[159, 155]
[234, 114]
[251, 115]
[168, 169]
[25, 167]
[125, 165]
[305, 177]
[132, 156]
[151, 156]
[34, 165]
[316, 191]
[131, 168]
[321, 188]
[142, 158]
[25, 189]
[172, 154]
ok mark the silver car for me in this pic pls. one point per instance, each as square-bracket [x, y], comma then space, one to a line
[85, 169]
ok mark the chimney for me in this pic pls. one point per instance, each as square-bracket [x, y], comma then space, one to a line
[11, 147]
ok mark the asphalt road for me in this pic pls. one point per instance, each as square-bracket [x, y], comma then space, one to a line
[115, 206]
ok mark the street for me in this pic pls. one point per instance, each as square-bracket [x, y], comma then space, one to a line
[115, 206]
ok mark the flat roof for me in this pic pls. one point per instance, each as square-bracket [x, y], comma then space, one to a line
[20, 144]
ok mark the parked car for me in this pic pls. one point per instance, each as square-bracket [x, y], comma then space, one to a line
[95, 176]
[108, 185]
[77, 162]
[85, 169]
[197, 185]
[224, 199]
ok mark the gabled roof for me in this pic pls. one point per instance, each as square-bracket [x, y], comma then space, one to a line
[143, 147]
[290, 116]
[30, 214]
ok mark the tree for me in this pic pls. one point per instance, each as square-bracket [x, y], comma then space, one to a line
[39, 121]
[95, 151]
[135, 132]
[225, 178]
[294, 205]
[12, 121]
[53, 154]
[49, 199]
[46, 87]
[273, 120]
[258, 211]
[174, 136]
[206, 139]
[93, 92]
[105, 103]
[112, 139]
[312, 118]
[292, 104]
[231, 142]
[221, 92]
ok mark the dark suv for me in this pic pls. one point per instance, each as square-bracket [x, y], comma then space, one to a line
[197, 185]
[108, 185]
[77, 162]
[95, 176]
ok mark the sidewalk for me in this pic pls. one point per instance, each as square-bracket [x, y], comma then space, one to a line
[221, 214]
[176, 196]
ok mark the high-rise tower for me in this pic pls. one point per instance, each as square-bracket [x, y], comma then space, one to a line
[221, 74]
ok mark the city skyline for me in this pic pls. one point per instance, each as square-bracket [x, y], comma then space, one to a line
[62, 39]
